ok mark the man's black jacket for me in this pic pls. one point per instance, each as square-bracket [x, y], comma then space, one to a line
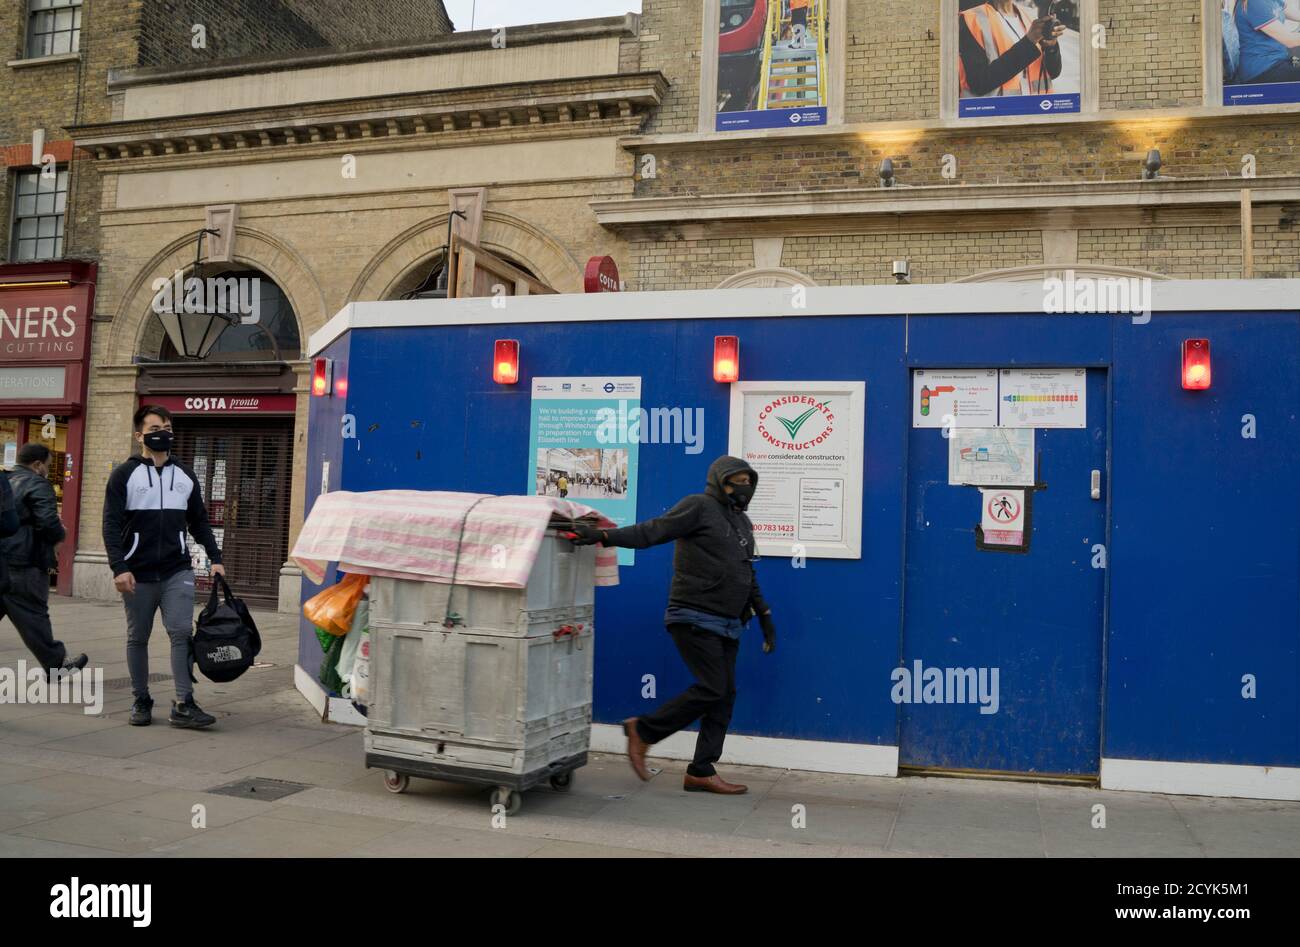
[39, 529]
[147, 511]
[712, 564]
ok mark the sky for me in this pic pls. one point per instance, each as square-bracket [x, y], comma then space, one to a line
[490, 13]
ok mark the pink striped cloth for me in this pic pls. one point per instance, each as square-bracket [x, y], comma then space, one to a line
[412, 534]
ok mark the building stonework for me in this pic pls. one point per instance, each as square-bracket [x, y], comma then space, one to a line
[960, 183]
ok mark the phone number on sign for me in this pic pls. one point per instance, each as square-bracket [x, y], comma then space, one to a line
[772, 528]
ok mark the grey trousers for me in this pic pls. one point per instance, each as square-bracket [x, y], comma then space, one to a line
[175, 596]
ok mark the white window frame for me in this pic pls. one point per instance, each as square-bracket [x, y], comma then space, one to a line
[949, 41]
[708, 112]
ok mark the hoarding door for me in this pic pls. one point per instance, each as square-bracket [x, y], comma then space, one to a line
[1025, 628]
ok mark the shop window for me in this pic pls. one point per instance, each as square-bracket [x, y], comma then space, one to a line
[40, 204]
[53, 27]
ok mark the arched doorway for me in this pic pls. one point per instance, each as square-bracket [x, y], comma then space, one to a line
[234, 412]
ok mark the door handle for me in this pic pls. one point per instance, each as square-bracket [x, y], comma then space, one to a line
[1096, 484]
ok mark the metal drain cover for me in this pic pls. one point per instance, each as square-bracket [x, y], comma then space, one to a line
[265, 790]
[122, 683]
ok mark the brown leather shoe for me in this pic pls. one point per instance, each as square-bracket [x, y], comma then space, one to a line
[636, 748]
[714, 783]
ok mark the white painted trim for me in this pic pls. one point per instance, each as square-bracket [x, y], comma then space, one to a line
[342, 711]
[817, 756]
[1202, 779]
[309, 687]
[936, 298]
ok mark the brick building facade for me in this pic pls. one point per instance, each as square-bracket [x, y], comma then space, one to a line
[973, 195]
[59, 55]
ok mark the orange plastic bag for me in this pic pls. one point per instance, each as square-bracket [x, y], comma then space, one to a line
[333, 608]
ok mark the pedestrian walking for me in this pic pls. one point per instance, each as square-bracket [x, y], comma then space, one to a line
[29, 554]
[714, 594]
[152, 501]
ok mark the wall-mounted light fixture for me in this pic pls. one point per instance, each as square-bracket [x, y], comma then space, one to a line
[1151, 166]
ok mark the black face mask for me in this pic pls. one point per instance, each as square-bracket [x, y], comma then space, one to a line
[159, 441]
[741, 494]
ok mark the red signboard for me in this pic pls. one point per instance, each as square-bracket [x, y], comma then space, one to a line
[224, 404]
[601, 275]
[43, 325]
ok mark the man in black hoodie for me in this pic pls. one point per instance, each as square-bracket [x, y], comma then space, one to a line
[151, 501]
[714, 593]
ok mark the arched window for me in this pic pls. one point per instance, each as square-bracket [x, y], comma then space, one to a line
[272, 335]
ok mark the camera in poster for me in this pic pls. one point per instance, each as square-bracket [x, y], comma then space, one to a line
[1261, 52]
[1018, 58]
[772, 63]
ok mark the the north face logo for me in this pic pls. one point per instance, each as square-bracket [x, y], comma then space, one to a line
[227, 652]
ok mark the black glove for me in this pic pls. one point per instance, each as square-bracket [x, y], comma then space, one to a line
[587, 535]
[769, 632]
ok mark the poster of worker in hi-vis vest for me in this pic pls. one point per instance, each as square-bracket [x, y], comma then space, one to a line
[1018, 58]
[773, 63]
[1261, 52]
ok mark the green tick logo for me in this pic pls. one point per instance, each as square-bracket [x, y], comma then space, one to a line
[792, 426]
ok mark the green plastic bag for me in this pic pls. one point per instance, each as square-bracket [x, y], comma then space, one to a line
[329, 667]
[325, 639]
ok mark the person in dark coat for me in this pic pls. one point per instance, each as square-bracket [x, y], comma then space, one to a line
[29, 555]
[714, 594]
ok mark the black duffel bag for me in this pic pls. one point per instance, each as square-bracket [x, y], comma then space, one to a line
[226, 639]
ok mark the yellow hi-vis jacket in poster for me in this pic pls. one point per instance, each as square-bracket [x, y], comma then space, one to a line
[995, 34]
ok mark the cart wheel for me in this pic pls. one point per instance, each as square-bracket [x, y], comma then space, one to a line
[562, 782]
[396, 782]
[510, 798]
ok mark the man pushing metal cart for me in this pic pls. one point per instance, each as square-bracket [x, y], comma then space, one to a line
[481, 633]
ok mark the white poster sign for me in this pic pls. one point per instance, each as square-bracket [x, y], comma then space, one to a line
[805, 440]
[966, 398]
[1046, 397]
[1002, 518]
[991, 457]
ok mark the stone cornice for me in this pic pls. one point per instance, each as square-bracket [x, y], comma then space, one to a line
[559, 104]
[627, 25]
[954, 198]
[1014, 126]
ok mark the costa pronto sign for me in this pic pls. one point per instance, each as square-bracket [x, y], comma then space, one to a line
[234, 403]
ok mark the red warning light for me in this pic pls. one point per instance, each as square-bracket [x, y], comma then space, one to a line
[1196, 364]
[505, 362]
[321, 369]
[726, 358]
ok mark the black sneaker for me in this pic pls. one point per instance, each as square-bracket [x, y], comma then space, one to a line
[190, 716]
[142, 712]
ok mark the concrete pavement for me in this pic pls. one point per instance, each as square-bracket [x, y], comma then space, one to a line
[72, 784]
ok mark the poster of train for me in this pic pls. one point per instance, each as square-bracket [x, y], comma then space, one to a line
[772, 63]
[1018, 57]
[1261, 52]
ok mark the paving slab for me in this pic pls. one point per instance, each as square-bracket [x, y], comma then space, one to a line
[77, 785]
